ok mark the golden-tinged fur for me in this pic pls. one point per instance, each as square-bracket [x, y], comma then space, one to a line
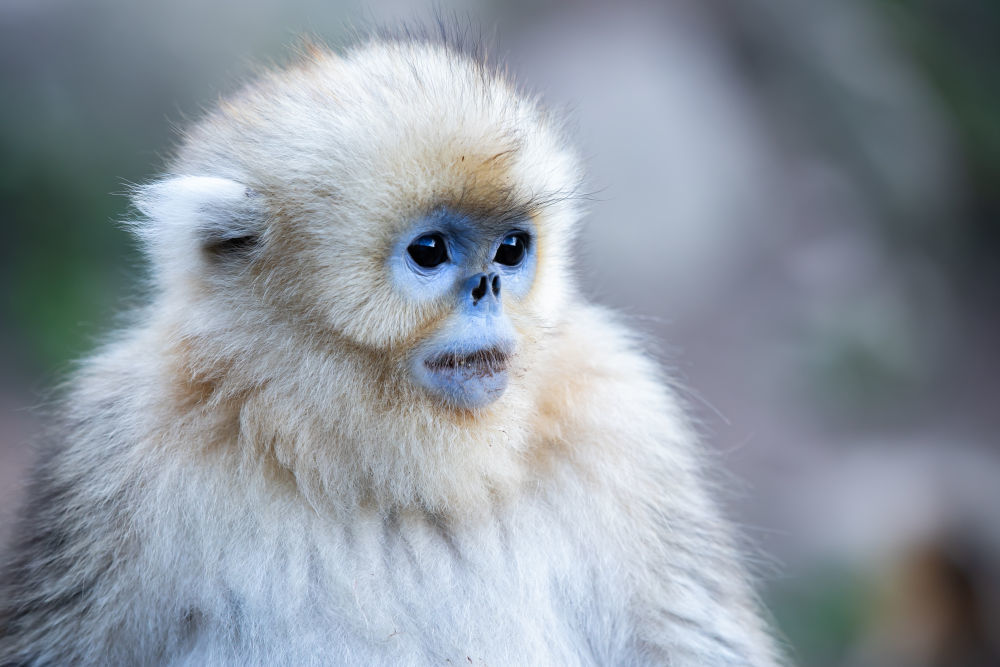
[249, 475]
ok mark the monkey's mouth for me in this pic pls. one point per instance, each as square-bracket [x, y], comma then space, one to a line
[481, 363]
[468, 380]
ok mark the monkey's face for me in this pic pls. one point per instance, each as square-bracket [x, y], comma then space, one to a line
[474, 268]
[400, 204]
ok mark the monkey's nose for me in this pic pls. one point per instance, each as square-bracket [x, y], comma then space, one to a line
[482, 286]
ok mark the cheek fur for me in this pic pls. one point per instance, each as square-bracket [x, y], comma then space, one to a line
[420, 329]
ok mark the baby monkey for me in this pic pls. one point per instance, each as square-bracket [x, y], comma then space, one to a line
[367, 417]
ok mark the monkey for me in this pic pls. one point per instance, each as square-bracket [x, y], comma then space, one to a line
[366, 415]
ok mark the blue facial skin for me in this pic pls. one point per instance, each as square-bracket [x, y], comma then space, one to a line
[465, 364]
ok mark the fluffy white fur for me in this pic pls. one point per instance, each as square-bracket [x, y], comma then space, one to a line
[249, 476]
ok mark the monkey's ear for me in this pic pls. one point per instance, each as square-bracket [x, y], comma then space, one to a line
[225, 219]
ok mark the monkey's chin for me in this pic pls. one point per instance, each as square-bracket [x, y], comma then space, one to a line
[465, 380]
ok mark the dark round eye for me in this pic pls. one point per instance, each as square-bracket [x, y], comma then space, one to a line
[512, 249]
[428, 251]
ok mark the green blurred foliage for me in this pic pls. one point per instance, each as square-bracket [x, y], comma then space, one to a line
[956, 46]
[63, 256]
[821, 614]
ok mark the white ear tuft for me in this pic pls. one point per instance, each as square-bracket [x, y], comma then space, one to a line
[186, 214]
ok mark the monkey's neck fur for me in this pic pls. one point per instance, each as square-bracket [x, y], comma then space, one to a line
[344, 427]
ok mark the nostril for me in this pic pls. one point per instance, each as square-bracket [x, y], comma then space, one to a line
[479, 291]
[496, 285]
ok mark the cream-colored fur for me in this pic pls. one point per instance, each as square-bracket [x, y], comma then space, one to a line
[248, 475]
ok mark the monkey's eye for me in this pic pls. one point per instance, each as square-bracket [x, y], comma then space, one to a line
[512, 249]
[428, 251]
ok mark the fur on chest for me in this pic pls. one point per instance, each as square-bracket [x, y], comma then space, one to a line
[528, 584]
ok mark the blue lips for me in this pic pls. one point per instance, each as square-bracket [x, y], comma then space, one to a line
[465, 379]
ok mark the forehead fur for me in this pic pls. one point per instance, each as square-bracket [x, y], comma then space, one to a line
[392, 129]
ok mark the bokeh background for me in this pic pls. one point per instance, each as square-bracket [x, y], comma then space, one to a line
[797, 200]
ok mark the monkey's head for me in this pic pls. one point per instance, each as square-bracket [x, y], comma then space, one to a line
[400, 207]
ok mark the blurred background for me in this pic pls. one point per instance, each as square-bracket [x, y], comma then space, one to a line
[797, 201]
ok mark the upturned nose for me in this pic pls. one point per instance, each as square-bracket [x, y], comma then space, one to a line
[483, 287]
